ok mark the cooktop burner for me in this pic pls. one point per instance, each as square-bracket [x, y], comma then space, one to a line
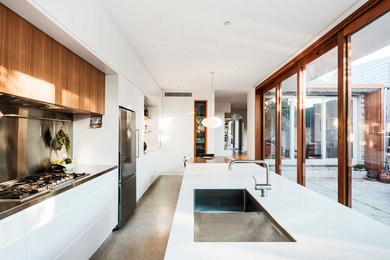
[30, 187]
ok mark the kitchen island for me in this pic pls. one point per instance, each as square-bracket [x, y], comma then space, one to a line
[70, 222]
[322, 228]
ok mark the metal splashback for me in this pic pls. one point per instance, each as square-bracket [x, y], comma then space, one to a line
[24, 147]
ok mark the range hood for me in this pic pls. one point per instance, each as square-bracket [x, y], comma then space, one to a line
[12, 100]
[22, 102]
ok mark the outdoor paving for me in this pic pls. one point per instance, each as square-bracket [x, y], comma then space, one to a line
[369, 197]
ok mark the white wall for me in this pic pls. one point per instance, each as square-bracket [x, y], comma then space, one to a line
[177, 128]
[219, 133]
[251, 124]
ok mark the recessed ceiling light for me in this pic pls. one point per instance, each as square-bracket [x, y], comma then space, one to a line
[227, 23]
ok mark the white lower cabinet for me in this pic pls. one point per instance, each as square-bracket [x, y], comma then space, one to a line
[71, 225]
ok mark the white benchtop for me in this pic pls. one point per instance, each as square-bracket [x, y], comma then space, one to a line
[323, 228]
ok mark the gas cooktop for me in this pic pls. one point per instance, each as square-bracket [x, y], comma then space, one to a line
[30, 187]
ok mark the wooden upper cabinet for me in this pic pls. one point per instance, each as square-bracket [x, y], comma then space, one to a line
[66, 74]
[84, 82]
[35, 66]
[40, 63]
[96, 93]
[91, 90]
[70, 95]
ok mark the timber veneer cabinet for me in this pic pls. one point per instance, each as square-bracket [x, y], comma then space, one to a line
[35, 66]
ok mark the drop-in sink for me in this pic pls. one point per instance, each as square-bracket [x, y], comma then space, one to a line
[233, 215]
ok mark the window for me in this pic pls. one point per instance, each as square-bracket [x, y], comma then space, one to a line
[200, 131]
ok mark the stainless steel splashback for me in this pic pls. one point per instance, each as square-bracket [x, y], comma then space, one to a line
[24, 143]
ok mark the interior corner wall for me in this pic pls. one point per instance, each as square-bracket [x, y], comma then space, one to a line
[177, 129]
[251, 124]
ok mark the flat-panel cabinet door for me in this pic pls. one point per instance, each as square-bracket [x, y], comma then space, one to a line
[96, 81]
[70, 92]
[127, 200]
[13, 53]
[40, 78]
[84, 83]
[58, 69]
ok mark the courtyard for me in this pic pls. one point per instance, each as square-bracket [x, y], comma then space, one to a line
[369, 197]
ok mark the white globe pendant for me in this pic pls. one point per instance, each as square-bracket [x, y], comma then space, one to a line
[212, 122]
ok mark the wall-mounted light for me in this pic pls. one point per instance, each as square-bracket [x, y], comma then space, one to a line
[96, 122]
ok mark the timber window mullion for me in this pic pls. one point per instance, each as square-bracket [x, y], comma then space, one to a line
[301, 177]
[345, 120]
[278, 114]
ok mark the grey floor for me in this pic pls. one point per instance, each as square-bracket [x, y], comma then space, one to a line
[146, 234]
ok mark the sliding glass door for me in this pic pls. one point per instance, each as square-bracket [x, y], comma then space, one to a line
[370, 85]
[288, 125]
[330, 121]
[321, 124]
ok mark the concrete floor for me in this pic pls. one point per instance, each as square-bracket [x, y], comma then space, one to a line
[369, 197]
[146, 234]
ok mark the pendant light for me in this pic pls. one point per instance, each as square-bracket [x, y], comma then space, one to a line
[212, 121]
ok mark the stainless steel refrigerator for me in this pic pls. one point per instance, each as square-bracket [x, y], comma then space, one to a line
[127, 165]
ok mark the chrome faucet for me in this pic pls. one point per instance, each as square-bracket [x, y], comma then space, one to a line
[260, 186]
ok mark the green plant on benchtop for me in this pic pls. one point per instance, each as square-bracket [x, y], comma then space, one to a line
[359, 167]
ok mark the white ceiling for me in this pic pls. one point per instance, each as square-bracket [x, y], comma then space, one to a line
[181, 41]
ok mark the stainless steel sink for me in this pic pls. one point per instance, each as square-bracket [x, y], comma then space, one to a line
[233, 215]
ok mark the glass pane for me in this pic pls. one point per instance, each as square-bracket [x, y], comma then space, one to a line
[313, 128]
[269, 127]
[371, 119]
[289, 128]
[200, 141]
[321, 124]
